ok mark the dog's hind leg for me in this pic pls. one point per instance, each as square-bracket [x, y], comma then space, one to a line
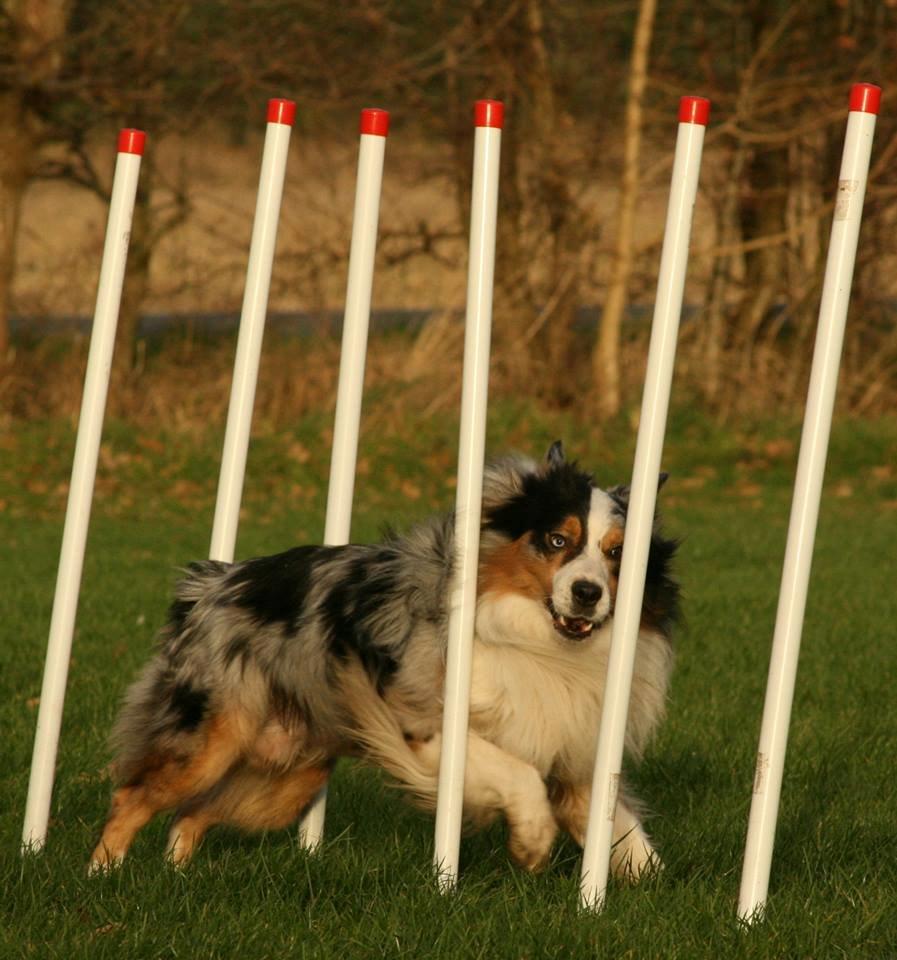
[164, 783]
[571, 808]
[632, 855]
[250, 798]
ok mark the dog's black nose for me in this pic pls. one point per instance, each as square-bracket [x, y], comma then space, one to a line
[586, 593]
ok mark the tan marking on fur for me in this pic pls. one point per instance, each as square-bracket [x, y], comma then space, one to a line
[613, 538]
[571, 528]
[632, 855]
[164, 783]
[185, 835]
[613, 581]
[570, 805]
[251, 800]
[516, 568]
[277, 746]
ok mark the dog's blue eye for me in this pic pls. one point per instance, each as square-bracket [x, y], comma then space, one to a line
[557, 540]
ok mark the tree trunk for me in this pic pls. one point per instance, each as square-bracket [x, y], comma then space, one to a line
[554, 339]
[37, 28]
[713, 340]
[606, 355]
[16, 146]
[136, 281]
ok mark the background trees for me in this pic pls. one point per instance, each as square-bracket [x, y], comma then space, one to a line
[31, 55]
[570, 73]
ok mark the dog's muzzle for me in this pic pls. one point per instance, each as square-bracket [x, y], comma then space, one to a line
[572, 628]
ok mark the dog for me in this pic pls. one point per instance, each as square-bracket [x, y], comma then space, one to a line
[270, 669]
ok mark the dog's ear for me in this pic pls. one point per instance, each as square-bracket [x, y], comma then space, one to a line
[620, 493]
[555, 455]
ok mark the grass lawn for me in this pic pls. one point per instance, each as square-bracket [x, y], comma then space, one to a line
[369, 892]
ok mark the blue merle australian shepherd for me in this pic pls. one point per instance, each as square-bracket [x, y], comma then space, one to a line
[270, 669]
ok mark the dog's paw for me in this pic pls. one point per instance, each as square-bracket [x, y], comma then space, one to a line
[180, 846]
[532, 836]
[531, 822]
[635, 860]
[102, 861]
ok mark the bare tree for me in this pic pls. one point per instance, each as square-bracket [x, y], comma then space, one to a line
[606, 354]
[777, 74]
[31, 57]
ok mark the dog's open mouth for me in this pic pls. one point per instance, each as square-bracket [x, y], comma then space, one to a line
[573, 628]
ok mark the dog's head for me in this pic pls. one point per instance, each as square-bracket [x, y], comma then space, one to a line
[551, 535]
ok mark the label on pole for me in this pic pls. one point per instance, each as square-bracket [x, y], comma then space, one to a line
[760, 772]
[613, 792]
[846, 190]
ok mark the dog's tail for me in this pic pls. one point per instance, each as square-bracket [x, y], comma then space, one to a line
[374, 728]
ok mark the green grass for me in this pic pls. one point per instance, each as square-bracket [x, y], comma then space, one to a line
[369, 892]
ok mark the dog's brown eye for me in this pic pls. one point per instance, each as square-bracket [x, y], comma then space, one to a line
[557, 541]
[615, 551]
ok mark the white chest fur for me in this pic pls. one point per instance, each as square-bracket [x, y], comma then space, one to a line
[533, 694]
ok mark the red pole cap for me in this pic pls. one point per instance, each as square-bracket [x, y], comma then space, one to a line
[375, 121]
[282, 111]
[865, 98]
[489, 113]
[131, 141]
[694, 110]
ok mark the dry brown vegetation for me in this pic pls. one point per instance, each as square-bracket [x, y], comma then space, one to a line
[777, 75]
[200, 267]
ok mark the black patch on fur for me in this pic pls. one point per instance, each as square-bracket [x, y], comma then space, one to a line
[273, 589]
[620, 494]
[238, 648]
[660, 608]
[620, 498]
[555, 456]
[178, 633]
[546, 499]
[349, 611]
[661, 604]
[189, 706]
[178, 613]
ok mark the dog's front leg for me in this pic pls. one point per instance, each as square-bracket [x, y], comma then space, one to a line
[632, 855]
[497, 782]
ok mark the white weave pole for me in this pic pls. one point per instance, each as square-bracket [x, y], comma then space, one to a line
[84, 468]
[488, 118]
[281, 114]
[338, 521]
[864, 104]
[693, 115]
